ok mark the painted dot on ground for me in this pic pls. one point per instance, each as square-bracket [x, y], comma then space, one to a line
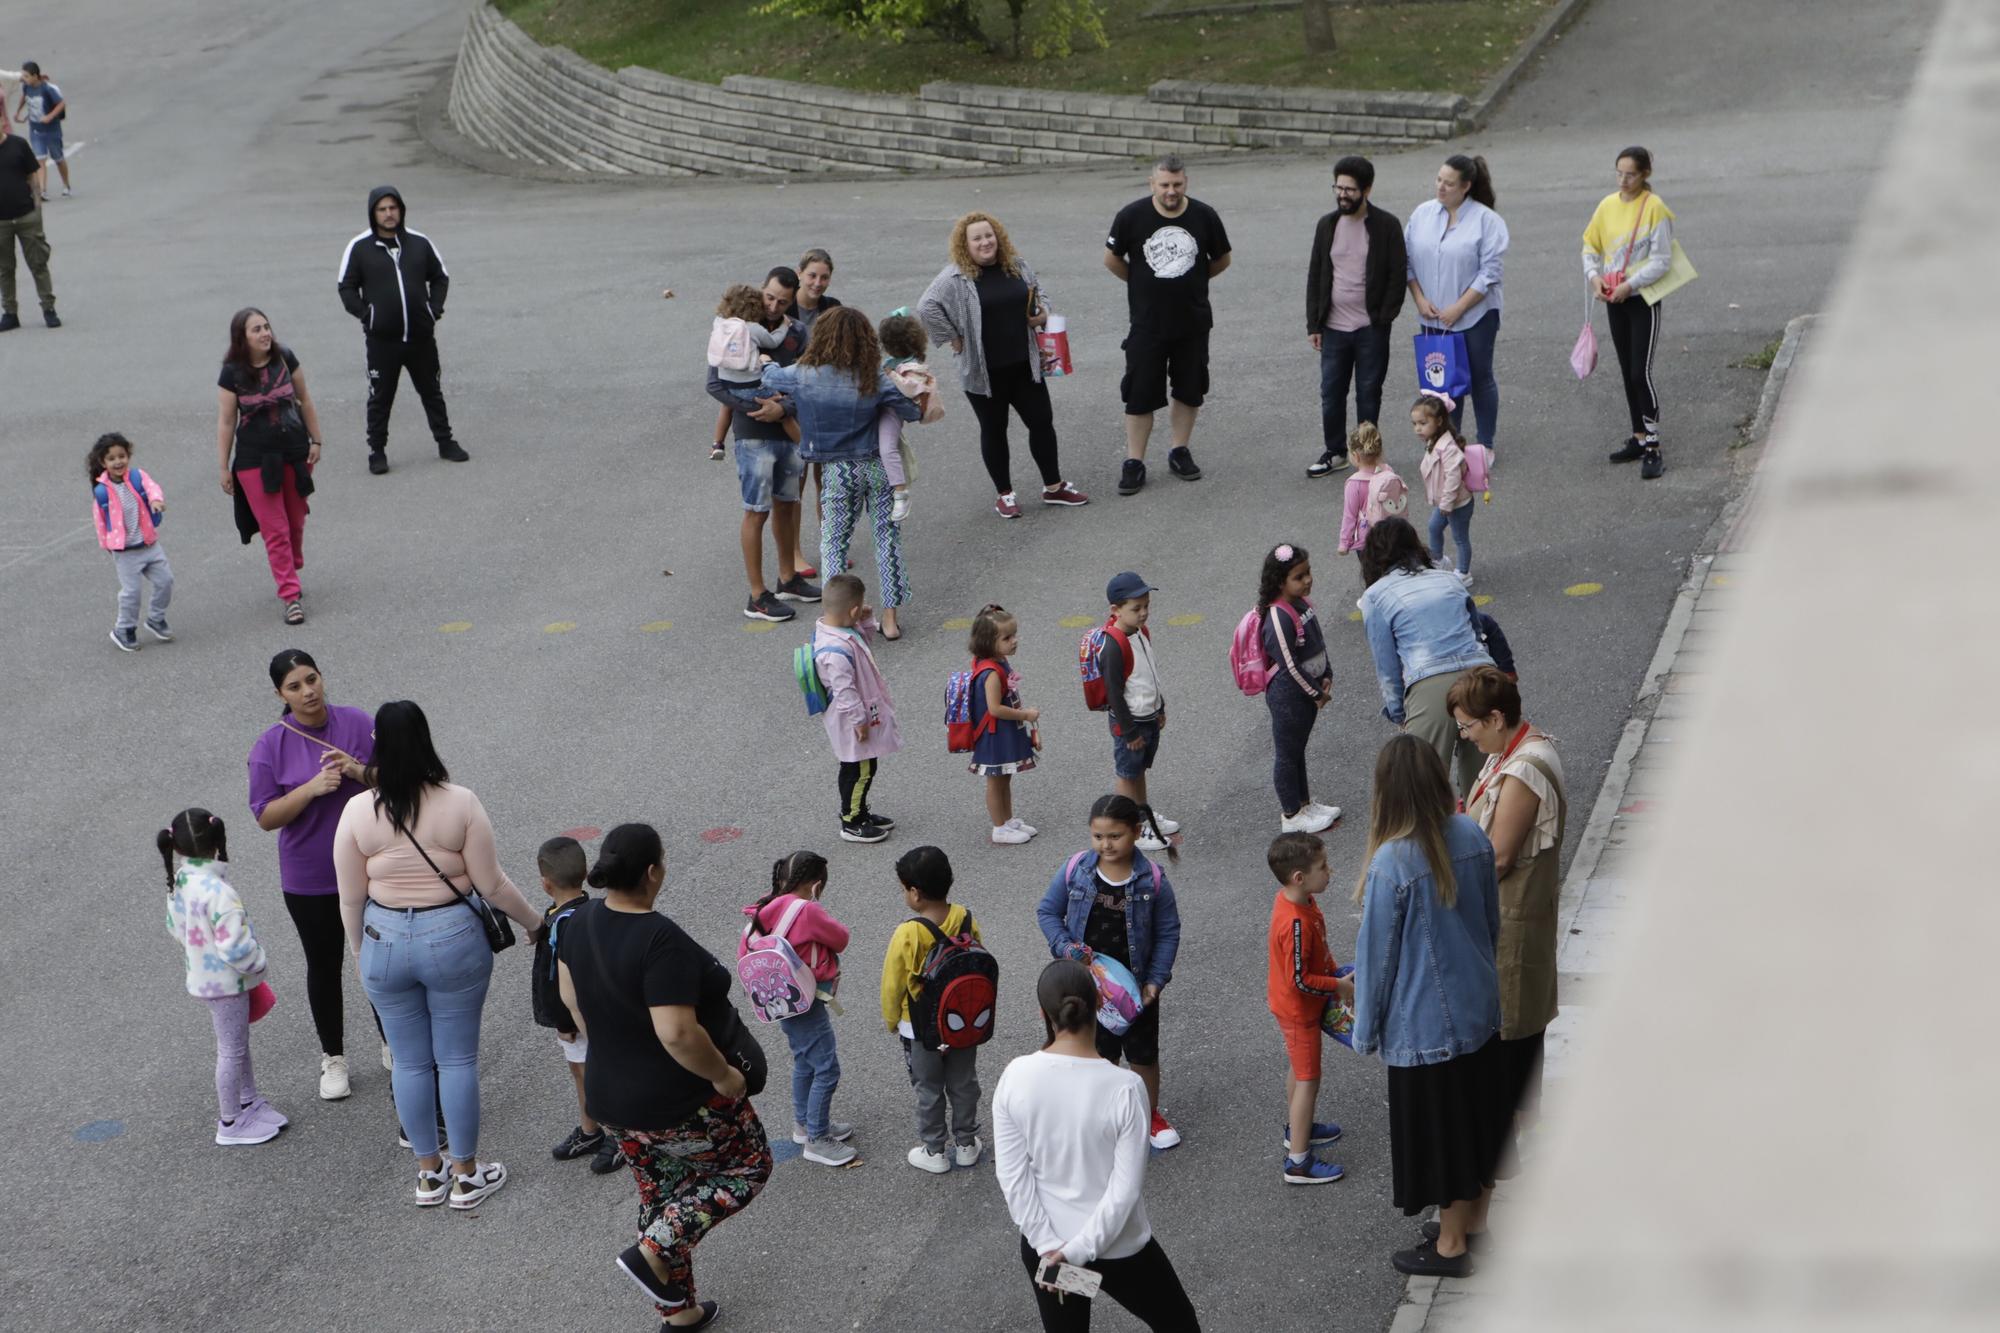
[1077, 622]
[722, 834]
[784, 1150]
[1720, 580]
[559, 627]
[1354, 616]
[655, 626]
[1583, 589]
[583, 833]
[1483, 599]
[99, 1131]
[759, 626]
[1182, 621]
[455, 627]
[959, 622]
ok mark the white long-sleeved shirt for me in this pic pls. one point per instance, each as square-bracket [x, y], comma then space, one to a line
[1069, 1146]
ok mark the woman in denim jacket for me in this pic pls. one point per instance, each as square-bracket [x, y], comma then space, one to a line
[1427, 998]
[836, 388]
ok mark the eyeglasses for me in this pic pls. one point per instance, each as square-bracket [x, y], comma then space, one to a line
[1464, 727]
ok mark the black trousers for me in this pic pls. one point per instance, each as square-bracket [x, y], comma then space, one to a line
[388, 358]
[324, 939]
[1015, 387]
[856, 777]
[1144, 1283]
[1635, 332]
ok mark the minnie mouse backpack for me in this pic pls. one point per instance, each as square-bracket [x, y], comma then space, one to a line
[776, 979]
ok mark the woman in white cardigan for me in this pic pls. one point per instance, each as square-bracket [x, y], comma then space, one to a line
[1069, 1145]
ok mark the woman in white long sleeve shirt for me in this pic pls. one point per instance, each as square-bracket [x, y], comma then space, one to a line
[1069, 1146]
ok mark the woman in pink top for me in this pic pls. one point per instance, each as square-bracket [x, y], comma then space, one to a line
[424, 957]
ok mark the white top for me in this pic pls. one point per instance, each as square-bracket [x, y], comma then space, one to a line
[1069, 1146]
[1142, 683]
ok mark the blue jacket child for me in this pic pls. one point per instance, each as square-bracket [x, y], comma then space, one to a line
[1152, 921]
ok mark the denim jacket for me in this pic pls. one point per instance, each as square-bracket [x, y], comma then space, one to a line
[1152, 921]
[837, 419]
[1418, 626]
[1425, 987]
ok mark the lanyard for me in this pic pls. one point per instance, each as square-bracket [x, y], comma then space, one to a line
[1505, 754]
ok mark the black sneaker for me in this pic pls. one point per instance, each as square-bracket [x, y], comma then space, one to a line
[378, 462]
[633, 1260]
[1627, 452]
[1181, 463]
[796, 589]
[860, 830]
[1652, 467]
[50, 318]
[766, 607]
[710, 1312]
[1327, 464]
[577, 1144]
[9, 321]
[453, 453]
[1425, 1261]
[126, 639]
[608, 1159]
[1132, 477]
[879, 821]
[158, 629]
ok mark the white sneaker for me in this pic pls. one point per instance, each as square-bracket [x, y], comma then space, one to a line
[432, 1186]
[388, 1060]
[924, 1159]
[1008, 834]
[1166, 825]
[837, 1130]
[1028, 829]
[333, 1084]
[1332, 812]
[1148, 843]
[899, 508]
[967, 1154]
[831, 1152]
[469, 1191]
[1309, 819]
[1466, 578]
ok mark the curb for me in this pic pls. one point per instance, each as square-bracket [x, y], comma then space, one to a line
[1503, 80]
[1413, 1314]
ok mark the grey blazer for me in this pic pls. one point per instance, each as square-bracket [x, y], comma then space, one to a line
[950, 309]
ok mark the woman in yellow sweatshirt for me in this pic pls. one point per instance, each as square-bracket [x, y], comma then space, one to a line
[1628, 246]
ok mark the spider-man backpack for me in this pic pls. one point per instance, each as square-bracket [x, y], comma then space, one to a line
[959, 987]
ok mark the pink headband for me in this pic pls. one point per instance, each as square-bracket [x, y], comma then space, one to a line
[1445, 398]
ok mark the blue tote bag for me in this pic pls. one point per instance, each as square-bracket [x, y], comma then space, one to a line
[1442, 366]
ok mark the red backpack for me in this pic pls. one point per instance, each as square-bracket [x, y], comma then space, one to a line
[1095, 693]
[961, 733]
[959, 988]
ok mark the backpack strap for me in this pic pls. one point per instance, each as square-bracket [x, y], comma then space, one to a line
[1069, 870]
[785, 921]
[933, 928]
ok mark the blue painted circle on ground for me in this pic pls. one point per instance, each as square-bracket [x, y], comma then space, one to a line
[784, 1150]
[99, 1131]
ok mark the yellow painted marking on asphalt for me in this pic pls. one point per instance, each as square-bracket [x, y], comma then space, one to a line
[655, 626]
[455, 627]
[1482, 599]
[1720, 580]
[1077, 622]
[1181, 621]
[1583, 589]
[959, 622]
[559, 627]
[758, 626]
[1354, 616]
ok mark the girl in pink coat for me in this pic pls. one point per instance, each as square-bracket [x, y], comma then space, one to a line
[860, 716]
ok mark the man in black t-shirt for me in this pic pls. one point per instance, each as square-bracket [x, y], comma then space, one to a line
[21, 221]
[1165, 248]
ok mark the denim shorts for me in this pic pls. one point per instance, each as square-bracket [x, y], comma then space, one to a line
[768, 470]
[46, 140]
[1127, 762]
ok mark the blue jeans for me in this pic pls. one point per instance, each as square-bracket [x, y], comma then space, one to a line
[1127, 762]
[768, 470]
[426, 973]
[1485, 391]
[815, 1068]
[1362, 356]
[1461, 534]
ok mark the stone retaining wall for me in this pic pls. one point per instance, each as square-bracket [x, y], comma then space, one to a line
[506, 90]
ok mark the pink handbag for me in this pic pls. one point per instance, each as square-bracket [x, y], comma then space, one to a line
[1583, 356]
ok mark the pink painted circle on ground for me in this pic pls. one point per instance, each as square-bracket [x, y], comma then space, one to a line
[723, 834]
[584, 834]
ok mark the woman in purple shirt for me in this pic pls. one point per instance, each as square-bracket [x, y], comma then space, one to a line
[302, 772]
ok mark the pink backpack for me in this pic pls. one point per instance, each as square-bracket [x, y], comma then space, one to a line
[1246, 649]
[1388, 497]
[777, 980]
[730, 346]
[1478, 468]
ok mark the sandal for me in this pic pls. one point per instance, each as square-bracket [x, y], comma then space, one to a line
[295, 612]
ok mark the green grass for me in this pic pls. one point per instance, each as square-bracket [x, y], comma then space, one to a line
[1437, 46]
[1760, 360]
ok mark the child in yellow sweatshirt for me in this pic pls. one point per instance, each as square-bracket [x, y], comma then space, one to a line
[938, 1076]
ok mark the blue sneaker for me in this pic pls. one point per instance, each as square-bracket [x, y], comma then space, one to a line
[1312, 1171]
[1321, 1133]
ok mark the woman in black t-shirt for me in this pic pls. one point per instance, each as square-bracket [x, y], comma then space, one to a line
[267, 418]
[669, 1072]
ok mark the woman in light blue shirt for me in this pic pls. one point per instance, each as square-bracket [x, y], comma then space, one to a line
[1457, 246]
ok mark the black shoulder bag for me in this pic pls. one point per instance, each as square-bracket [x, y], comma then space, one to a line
[499, 930]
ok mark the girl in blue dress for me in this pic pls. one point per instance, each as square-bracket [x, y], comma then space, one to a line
[1007, 746]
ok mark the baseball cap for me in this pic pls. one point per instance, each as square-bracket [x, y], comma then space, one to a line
[1124, 587]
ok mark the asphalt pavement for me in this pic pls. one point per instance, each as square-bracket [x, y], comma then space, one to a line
[521, 598]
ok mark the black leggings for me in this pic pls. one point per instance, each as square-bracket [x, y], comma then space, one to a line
[324, 939]
[1144, 1283]
[1635, 333]
[1016, 387]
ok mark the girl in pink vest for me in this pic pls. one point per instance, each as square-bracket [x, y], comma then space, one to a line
[127, 510]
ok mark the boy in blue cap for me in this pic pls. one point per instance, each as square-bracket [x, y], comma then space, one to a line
[1133, 697]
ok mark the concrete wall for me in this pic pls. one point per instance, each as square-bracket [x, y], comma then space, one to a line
[548, 105]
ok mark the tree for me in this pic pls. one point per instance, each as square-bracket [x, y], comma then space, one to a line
[1319, 25]
[1063, 24]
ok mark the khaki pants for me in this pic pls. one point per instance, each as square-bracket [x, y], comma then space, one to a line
[1425, 716]
[35, 245]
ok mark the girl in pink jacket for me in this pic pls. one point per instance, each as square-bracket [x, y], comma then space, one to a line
[127, 506]
[798, 882]
[1445, 482]
[860, 716]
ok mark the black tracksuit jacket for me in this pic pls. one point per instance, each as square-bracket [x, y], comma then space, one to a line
[395, 287]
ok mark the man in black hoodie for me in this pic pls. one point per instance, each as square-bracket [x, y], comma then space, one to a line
[392, 280]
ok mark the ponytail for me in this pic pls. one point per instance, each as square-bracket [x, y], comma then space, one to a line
[627, 853]
[789, 872]
[1067, 995]
[194, 832]
[1474, 171]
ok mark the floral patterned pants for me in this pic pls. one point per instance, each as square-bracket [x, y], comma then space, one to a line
[691, 1177]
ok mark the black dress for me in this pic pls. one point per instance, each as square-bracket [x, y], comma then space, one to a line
[1449, 1125]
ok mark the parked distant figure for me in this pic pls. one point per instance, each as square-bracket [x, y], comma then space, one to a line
[21, 222]
[44, 107]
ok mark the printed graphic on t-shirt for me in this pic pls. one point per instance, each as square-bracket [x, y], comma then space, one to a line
[1170, 252]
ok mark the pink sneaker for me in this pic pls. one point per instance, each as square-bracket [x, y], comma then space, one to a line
[1064, 494]
[1006, 506]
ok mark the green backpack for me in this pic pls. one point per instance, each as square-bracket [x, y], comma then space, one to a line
[805, 666]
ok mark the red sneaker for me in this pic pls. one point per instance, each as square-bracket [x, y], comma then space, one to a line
[1163, 1135]
[807, 572]
[1064, 494]
[1006, 507]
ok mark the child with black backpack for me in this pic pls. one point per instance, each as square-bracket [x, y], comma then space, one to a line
[562, 865]
[939, 989]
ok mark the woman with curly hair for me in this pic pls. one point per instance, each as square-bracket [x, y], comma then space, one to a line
[987, 305]
[836, 388]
